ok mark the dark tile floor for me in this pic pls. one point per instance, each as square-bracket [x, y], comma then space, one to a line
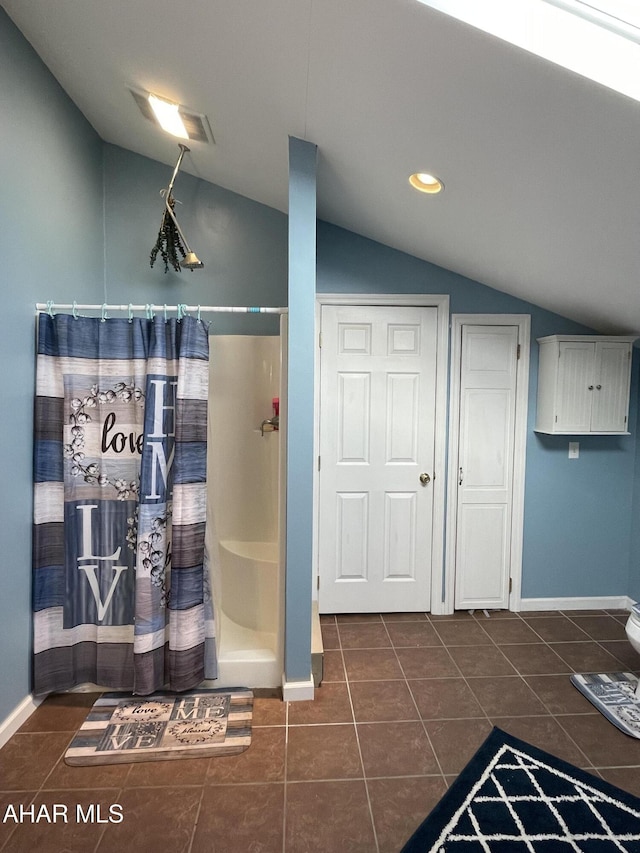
[406, 700]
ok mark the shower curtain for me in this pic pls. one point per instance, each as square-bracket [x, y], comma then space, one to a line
[120, 595]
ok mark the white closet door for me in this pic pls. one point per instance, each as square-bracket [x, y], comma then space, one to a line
[377, 415]
[485, 476]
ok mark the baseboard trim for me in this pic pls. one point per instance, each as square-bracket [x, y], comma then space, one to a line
[20, 714]
[297, 691]
[598, 602]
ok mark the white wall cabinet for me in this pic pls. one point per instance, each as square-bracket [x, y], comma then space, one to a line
[583, 385]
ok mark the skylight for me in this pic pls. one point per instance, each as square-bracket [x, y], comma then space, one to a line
[622, 16]
[599, 39]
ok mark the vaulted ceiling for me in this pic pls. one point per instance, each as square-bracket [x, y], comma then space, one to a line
[540, 166]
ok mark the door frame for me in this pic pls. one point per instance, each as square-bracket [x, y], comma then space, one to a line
[418, 300]
[523, 322]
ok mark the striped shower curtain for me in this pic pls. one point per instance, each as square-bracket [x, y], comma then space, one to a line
[120, 595]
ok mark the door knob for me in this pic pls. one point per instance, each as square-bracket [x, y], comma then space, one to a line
[425, 478]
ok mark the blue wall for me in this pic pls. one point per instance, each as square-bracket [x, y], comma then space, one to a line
[52, 246]
[300, 405]
[243, 244]
[577, 526]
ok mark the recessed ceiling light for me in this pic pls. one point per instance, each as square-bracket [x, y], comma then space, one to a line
[168, 116]
[426, 183]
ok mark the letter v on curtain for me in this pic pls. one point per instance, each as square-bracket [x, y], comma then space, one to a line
[120, 594]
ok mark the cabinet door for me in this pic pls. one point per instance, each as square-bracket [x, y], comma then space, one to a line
[574, 393]
[611, 391]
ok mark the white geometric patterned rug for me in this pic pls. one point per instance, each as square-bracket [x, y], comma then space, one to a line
[513, 797]
[614, 695]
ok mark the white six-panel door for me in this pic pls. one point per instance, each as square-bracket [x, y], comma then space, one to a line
[377, 418]
[485, 466]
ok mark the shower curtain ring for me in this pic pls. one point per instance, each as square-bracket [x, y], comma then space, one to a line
[130, 313]
[199, 317]
[50, 308]
[165, 312]
[74, 310]
[104, 312]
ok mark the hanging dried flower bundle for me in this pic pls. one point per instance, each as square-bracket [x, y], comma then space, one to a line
[168, 243]
[171, 240]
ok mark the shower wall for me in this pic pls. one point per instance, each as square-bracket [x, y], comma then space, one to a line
[243, 515]
[244, 378]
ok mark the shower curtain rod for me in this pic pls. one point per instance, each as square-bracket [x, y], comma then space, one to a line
[183, 309]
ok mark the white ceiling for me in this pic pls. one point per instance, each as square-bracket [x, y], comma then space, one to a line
[541, 166]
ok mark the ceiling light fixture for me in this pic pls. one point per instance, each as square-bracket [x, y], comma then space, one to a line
[168, 116]
[175, 119]
[426, 183]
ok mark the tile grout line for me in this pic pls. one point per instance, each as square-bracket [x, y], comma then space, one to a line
[355, 729]
[601, 641]
[284, 789]
[15, 828]
[590, 763]
[42, 791]
[195, 822]
[64, 749]
[104, 830]
[588, 638]
[434, 719]
[413, 699]
[464, 678]
[553, 716]
[518, 673]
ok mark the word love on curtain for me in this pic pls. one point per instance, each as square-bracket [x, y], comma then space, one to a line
[121, 597]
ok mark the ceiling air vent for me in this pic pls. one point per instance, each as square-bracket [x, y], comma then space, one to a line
[196, 124]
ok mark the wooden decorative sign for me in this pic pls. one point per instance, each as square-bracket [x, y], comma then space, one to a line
[196, 724]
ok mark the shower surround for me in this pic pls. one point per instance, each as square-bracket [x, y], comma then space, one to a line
[244, 517]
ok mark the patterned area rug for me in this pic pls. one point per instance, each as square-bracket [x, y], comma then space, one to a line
[513, 797]
[197, 724]
[613, 694]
